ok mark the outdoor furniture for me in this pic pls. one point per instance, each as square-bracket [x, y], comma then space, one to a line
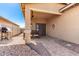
[35, 33]
[5, 33]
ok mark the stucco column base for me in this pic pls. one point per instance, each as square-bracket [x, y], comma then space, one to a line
[28, 41]
[28, 37]
[33, 42]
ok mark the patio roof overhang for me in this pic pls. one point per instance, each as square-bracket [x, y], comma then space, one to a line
[39, 11]
[45, 11]
[22, 6]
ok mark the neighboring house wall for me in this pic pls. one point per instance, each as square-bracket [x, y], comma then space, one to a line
[66, 25]
[2, 21]
[12, 26]
[16, 30]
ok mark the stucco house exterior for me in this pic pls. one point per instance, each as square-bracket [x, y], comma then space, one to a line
[58, 20]
[14, 28]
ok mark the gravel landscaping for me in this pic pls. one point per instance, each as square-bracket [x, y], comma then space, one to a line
[17, 50]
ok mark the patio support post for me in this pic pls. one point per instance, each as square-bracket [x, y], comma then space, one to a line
[28, 25]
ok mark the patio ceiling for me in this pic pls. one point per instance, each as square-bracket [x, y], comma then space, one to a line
[37, 13]
[40, 15]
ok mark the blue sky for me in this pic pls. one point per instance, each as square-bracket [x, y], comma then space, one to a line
[12, 12]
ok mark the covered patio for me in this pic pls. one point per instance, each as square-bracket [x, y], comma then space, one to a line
[40, 20]
[51, 20]
[36, 19]
[54, 45]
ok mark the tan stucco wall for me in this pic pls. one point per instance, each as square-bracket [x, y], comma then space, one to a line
[5, 22]
[66, 25]
[15, 30]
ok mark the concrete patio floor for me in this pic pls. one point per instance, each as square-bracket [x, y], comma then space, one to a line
[55, 48]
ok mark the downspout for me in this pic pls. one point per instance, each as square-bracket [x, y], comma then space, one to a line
[66, 7]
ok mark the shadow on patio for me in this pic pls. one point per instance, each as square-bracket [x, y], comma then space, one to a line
[58, 47]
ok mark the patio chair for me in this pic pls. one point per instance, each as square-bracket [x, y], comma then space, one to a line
[34, 34]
